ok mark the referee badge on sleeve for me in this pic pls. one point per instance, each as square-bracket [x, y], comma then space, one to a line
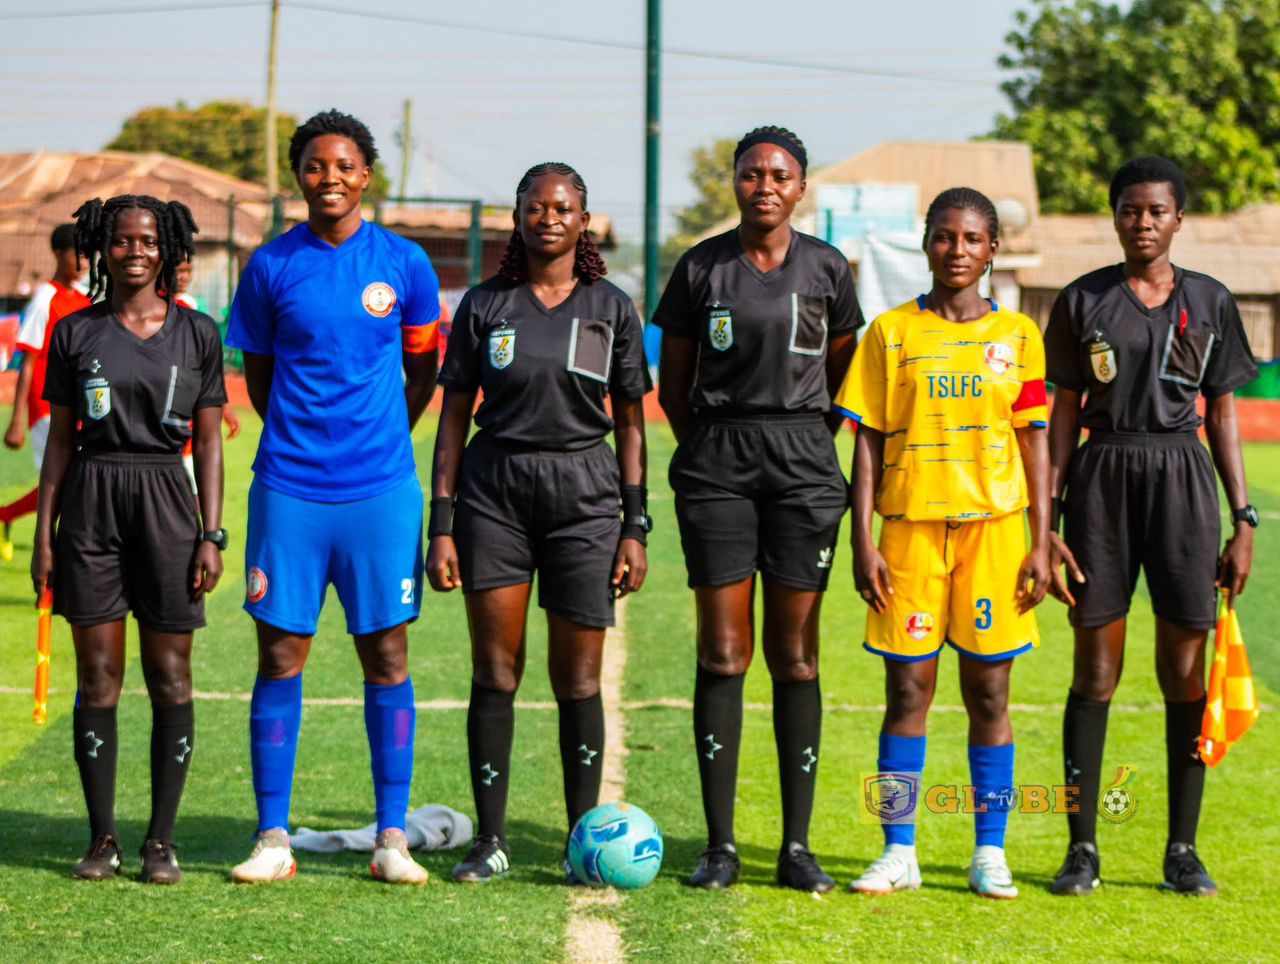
[1103, 359]
[97, 398]
[720, 328]
[502, 346]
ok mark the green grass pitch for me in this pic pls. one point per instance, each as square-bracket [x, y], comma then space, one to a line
[333, 911]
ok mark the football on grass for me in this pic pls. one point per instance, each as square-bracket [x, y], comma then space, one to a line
[616, 845]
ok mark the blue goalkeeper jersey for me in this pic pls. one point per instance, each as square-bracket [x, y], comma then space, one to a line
[336, 321]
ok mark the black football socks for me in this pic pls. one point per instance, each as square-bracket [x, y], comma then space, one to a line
[95, 753]
[797, 731]
[172, 742]
[581, 753]
[717, 732]
[1182, 723]
[491, 725]
[1084, 732]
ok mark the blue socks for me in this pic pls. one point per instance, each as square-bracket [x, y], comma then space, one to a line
[901, 754]
[390, 720]
[991, 772]
[275, 714]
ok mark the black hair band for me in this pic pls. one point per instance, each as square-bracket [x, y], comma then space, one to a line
[767, 137]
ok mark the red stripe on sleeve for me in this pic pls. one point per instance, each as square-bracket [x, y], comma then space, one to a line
[1032, 395]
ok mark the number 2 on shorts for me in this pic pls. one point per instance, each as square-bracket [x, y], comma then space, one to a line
[984, 614]
[406, 591]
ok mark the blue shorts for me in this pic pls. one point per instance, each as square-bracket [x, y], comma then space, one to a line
[371, 550]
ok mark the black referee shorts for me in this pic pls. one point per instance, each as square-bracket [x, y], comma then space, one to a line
[1143, 501]
[126, 538]
[559, 513]
[763, 493]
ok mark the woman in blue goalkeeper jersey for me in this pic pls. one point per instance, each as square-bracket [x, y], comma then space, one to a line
[337, 322]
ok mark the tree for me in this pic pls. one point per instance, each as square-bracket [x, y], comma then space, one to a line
[711, 171]
[1197, 81]
[226, 135]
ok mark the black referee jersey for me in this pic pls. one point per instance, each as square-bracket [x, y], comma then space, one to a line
[130, 394]
[544, 371]
[1141, 368]
[762, 337]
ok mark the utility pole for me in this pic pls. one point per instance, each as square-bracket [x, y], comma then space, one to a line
[406, 147]
[652, 142]
[273, 162]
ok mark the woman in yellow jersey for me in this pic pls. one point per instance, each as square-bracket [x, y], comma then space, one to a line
[948, 393]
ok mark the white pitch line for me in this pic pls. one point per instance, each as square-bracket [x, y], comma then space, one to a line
[632, 706]
[590, 938]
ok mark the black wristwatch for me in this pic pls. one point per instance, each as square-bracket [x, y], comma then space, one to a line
[219, 537]
[1246, 514]
[642, 522]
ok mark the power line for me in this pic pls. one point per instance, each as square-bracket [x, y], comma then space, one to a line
[123, 11]
[621, 44]
[634, 47]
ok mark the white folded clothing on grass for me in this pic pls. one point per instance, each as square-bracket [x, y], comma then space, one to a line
[433, 827]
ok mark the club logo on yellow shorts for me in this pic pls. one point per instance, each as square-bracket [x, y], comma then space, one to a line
[919, 625]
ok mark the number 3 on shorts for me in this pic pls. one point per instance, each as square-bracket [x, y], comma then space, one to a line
[984, 614]
[406, 591]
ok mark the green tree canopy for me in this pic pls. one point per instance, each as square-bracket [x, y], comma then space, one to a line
[1197, 81]
[711, 171]
[226, 135]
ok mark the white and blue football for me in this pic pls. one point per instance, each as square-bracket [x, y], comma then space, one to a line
[616, 845]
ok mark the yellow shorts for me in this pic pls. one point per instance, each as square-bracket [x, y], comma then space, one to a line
[953, 582]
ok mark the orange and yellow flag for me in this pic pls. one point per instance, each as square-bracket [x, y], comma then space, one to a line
[1232, 704]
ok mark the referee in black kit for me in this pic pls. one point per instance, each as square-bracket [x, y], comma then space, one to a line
[1130, 347]
[759, 328]
[548, 342]
[130, 380]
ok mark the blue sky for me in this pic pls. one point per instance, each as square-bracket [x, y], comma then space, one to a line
[497, 86]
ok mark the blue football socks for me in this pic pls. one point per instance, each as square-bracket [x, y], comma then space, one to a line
[390, 719]
[991, 770]
[902, 754]
[275, 715]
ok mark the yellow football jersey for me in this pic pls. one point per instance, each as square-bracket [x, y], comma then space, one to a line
[948, 396]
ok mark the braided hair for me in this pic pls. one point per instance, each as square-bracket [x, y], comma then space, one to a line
[964, 199]
[787, 140]
[588, 265]
[96, 225]
[331, 122]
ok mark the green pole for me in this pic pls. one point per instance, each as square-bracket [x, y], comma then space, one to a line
[475, 246]
[652, 140]
[231, 250]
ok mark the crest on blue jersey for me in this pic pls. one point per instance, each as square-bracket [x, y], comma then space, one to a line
[720, 328]
[502, 346]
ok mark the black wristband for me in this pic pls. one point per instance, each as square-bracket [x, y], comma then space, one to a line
[440, 522]
[636, 523]
[1055, 515]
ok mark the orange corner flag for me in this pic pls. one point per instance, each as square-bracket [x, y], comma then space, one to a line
[44, 637]
[1232, 704]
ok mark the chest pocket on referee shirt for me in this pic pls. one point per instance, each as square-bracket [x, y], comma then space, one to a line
[184, 389]
[591, 349]
[1186, 355]
[808, 325]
